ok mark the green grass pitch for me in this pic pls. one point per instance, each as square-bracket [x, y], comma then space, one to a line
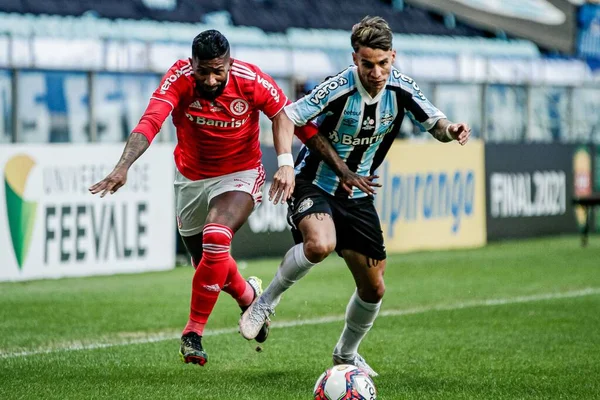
[513, 320]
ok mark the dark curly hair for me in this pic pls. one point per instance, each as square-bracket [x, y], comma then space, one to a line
[210, 44]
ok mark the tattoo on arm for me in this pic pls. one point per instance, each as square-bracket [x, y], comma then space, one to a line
[320, 145]
[439, 130]
[135, 147]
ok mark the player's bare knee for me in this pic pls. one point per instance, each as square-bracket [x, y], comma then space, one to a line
[379, 290]
[372, 292]
[316, 250]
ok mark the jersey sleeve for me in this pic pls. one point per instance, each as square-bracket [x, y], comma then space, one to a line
[422, 110]
[268, 96]
[165, 98]
[155, 115]
[304, 133]
[311, 105]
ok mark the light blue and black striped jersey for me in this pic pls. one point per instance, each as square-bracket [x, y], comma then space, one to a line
[361, 128]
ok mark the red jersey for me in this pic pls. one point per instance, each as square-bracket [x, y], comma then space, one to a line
[220, 136]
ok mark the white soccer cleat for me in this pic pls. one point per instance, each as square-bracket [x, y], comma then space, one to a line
[254, 318]
[355, 360]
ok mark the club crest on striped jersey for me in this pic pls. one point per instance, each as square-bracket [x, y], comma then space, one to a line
[239, 107]
[386, 119]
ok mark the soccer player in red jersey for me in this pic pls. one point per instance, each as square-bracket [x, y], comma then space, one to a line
[215, 102]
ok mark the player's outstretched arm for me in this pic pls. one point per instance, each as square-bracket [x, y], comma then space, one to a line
[348, 179]
[164, 99]
[446, 131]
[135, 147]
[284, 179]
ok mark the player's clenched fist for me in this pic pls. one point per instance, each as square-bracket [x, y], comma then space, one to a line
[111, 183]
[283, 184]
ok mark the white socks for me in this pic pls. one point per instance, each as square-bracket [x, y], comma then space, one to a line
[293, 267]
[359, 320]
[360, 315]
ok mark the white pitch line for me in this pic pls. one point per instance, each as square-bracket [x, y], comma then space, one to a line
[159, 337]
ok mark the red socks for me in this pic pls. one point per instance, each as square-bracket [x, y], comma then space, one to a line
[217, 271]
[237, 286]
[210, 275]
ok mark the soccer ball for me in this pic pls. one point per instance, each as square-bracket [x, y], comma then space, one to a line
[345, 382]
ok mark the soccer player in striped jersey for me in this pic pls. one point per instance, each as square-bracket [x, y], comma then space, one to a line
[359, 111]
[215, 102]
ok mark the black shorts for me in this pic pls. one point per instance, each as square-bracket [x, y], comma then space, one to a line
[356, 221]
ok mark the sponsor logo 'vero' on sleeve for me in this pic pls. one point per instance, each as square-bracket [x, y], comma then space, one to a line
[311, 105]
[268, 97]
[173, 83]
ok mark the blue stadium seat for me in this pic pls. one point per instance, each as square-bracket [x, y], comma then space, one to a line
[11, 6]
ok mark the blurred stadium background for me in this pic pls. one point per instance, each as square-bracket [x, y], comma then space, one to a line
[519, 72]
[76, 75]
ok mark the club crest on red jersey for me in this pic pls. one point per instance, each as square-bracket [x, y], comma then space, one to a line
[238, 107]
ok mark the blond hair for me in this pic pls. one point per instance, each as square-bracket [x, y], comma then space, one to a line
[372, 32]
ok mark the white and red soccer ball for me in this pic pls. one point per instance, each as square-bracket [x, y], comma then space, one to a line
[345, 382]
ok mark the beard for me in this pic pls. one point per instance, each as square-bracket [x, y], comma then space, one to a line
[200, 92]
